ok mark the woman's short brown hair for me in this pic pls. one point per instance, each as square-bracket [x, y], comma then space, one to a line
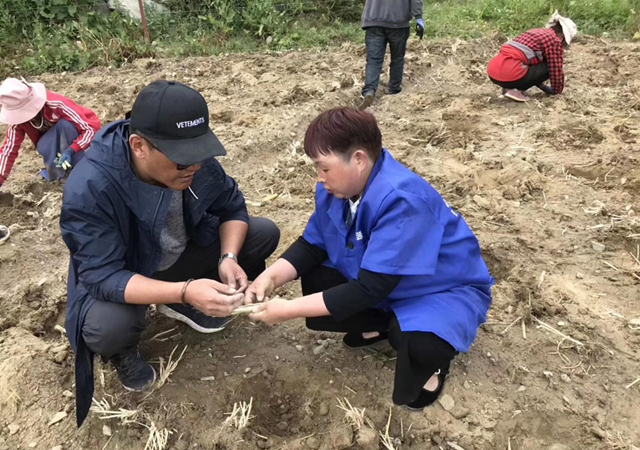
[343, 131]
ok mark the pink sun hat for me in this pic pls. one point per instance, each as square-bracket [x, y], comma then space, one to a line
[20, 101]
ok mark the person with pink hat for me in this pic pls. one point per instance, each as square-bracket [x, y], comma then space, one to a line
[60, 129]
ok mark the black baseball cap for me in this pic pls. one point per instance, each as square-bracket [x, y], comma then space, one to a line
[175, 118]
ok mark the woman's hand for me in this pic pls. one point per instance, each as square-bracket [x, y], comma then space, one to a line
[274, 311]
[261, 288]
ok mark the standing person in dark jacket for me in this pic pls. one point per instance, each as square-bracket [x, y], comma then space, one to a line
[387, 22]
[533, 58]
[152, 218]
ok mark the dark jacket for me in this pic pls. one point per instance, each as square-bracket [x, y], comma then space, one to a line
[111, 222]
[390, 13]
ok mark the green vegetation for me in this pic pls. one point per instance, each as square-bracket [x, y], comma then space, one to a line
[57, 35]
[68, 35]
[474, 18]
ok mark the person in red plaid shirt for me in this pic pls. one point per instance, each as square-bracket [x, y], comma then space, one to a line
[533, 58]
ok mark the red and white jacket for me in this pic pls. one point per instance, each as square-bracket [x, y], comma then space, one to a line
[55, 108]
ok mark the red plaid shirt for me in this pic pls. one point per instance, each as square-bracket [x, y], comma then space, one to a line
[546, 41]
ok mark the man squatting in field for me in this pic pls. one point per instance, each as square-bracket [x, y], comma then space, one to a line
[150, 217]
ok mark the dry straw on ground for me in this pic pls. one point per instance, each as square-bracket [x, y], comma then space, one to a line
[352, 415]
[158, 438]
[106, 411]
[388, 442]
[240, 417]
[167, 369]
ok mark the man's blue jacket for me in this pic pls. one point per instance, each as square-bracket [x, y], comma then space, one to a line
[111, 222]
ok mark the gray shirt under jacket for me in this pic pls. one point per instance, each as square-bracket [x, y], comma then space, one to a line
[173, 238]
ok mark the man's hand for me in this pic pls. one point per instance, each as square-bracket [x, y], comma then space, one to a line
[274, 311]
[232, 275]
[212, 298]
[261, 288]
[64, 159]
[420, 28]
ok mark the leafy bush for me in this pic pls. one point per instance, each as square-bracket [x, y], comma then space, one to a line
[62, 35]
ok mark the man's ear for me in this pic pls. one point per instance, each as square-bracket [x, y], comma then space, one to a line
[138, 146]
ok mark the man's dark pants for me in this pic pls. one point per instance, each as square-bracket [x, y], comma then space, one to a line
[376, 40]
[113, 328]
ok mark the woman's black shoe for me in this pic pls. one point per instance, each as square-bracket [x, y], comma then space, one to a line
[355, 340]
[426, 398]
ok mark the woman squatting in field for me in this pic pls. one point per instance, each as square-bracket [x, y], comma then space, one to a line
[533, 58]
[383, 257]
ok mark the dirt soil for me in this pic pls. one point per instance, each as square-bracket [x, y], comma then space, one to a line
[550, 188]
